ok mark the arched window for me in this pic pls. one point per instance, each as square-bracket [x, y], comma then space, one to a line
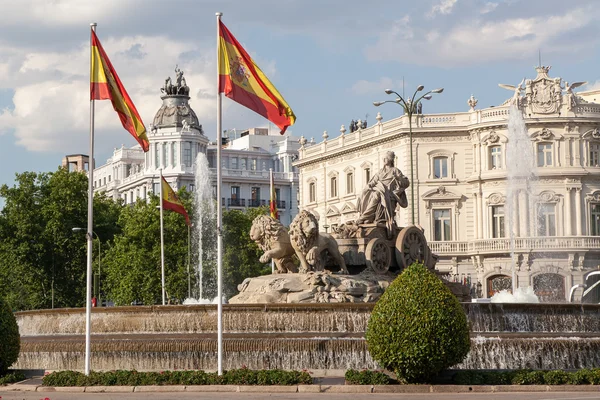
[497, 283]
[312, 192]
[495, 157]
[350, 182]
[333, 188]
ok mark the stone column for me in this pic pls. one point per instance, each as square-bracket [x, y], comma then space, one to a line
[578, 211]
[476, 214]
[524, 207]
[568, 214]
[515, 213]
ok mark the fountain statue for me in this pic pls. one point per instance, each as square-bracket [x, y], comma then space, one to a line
[373, 245]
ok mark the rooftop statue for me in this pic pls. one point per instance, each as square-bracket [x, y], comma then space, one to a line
[516, 99]
[179, 88]
[384, 192]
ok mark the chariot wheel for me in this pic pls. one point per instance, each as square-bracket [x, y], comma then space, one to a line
[378, 255]
[411, 247]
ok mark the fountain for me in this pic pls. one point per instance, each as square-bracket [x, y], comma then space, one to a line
[204, 227]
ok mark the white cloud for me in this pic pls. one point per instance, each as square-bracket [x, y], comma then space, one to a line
[481, 41]
[364, 87]
[443, 7]
[488, 8]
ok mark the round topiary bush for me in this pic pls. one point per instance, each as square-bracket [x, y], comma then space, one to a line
[418, 328]
[10, 341]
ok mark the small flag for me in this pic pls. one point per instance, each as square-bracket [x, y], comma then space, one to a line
[170, 201]
[273, 200]
[105, 84]
[242, 81]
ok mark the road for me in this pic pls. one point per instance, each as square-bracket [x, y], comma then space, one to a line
[298, 396]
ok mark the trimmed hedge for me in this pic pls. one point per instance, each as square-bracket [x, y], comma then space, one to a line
[366, 377]
[242, 376]
[10, 341]
[11, 377]
[528, 377]
[418, 328]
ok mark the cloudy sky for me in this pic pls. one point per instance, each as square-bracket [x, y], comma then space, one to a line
[330, 59]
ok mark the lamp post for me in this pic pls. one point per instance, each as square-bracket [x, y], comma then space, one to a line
[99, 253]
[410, 107]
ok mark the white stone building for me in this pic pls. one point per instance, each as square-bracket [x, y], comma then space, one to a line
[462, 192]
[176, 137]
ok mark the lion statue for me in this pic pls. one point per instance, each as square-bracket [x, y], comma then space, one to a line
[274, 240]
[310, 244]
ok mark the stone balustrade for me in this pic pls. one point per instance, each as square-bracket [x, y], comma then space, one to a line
[504, 245]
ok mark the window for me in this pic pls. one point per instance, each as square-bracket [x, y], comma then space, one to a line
[441, 225]
[440, 167]
[367, 175]
[594, 154]
[349, 182]
[243, 163]
[156, 156]
[224, 163]
[312, 192]
[544, 152]
[264, 165]
[109, 178]
[165, 151]
[234, 162]
[174, 154]
[333, 186]
[546, 220]
[156, 188]
[253, 164]
[235, 192]
[497, 221]
[255, 193]
[104, 179]
[496, 157]
[192, 187]
[595, 222]
[187, 154]
[278, 197]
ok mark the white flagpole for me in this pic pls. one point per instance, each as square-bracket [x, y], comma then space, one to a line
[162, 242]
[271, 184]
[90, 229]
[219, 216]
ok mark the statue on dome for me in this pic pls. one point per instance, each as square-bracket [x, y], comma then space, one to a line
[179, 88]
[384, 192]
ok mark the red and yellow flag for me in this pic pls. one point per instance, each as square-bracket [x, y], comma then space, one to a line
[273, 200]
[242, 81]
[105, 84]
[170, 201]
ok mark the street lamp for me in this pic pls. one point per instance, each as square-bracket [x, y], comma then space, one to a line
[99, 252]
[410, 106]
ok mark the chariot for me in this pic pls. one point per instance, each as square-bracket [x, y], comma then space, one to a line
[369, 245]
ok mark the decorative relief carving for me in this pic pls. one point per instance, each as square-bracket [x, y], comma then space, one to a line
[496, 198]
[549, 196]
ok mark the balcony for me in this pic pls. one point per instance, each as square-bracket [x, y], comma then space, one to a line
[257, 203]
[281, 204]
[234, 202]
[503, 245]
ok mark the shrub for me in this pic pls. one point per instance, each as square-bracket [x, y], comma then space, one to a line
[366, 377]
[242, 376]
[11, 377]
[10, 342]
[557, 378]
[418, 328]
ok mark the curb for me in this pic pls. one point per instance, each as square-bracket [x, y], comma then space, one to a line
[308, 388]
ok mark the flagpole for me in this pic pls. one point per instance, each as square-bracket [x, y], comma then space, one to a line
[162, 242]
[219, 215]
[270, 203]
[90, 229]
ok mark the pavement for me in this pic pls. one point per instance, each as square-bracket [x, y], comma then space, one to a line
[329, 385]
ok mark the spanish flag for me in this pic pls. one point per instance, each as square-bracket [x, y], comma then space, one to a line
[242, 81]
[105, 84]
[170, 201]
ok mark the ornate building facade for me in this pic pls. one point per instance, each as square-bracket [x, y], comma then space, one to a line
[486, 223]
[176, 138]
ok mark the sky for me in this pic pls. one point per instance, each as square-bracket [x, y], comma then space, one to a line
[330, 59]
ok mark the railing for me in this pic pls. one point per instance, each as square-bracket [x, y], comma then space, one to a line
[506, 245]
[281, 204]
[231, 202]
[256, 203]
[495, 113]
[253, 173]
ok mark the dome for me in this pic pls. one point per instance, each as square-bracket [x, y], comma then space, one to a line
[175, 110]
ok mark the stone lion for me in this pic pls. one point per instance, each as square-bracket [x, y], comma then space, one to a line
[274, 240]
[310, 244]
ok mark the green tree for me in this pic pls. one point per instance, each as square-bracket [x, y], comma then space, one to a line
[42, 263]
[132, 263]
[241, 254]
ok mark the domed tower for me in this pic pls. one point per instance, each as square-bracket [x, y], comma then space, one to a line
[176, 136]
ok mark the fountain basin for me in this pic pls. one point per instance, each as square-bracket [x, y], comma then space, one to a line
[295, 336]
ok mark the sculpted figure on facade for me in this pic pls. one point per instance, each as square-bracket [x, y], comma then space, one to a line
[274, 240]
[384, 192]
[312, 247]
